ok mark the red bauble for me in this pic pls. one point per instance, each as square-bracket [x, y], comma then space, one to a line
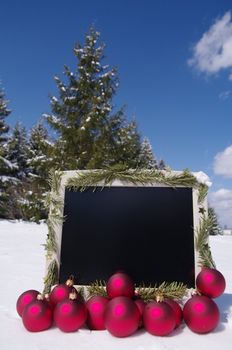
[37, 316]
[159, 318]
[120, 284]
[70, 314]
[210, 282]
[177, 311]
[61, 292]
[24, 299]
[201, 314]
[122, 317]
[96, 306]
[141, 305]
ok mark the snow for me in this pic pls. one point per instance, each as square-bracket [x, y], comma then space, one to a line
[22, 262]
[9, 164]
[12, 179]
[50, 143]
[70, 98]
[202, 178]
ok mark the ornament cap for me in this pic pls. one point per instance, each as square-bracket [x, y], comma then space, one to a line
[195, 292]
[40, 297]
[70, 281]
[73, 294]
[46, 296]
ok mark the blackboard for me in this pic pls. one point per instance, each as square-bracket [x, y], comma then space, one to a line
[144, 231]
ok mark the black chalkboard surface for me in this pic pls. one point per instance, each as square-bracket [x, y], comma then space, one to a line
[144, 231]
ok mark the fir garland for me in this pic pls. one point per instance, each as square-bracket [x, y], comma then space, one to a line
[51, 277]
[97, 288]
[165, 290]
[54, 204]
[201, 242]
[202, 193]
[134, 176]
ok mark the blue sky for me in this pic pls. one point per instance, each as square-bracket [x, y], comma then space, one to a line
[175, 66]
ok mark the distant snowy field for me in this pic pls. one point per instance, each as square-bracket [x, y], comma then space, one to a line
[22, 262]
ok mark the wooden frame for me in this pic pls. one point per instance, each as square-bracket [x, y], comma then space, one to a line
[56, 203]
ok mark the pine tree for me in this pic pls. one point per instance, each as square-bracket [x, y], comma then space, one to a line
[215, 227]
[40, 149]
[147, 158]
[4, 112]
[17, 150]
[162, 165]
[36, 187]
[89, 133]
[7, 169]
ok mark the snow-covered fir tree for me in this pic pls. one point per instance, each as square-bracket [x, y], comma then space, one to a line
[40, 149]
[147, 157]
[90, 134]
[215, 226]
[162, 165]
[35, 188]
[17, 150]
[7, 168]
[4, 112]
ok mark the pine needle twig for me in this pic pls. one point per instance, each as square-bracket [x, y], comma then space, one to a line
[97, 288]
[201, 242]
[52, 276]
[173, 290]
[135, 176]
[54, 180]
[202, 193]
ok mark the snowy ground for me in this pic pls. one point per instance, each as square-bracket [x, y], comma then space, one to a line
[22, 267]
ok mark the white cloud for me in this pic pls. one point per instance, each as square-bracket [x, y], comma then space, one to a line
[213, 52]
[221, 201]
[223, 163]
[224, 95]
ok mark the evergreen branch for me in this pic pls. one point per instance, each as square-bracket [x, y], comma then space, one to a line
[202, 193]
[202, 232]
[134, 176]
[54, 180]
[51, 244]
[54, 204]
[201, 242]
[173, 290]
[205, 258]
[97, 288]
[52, 276]
[146, 293]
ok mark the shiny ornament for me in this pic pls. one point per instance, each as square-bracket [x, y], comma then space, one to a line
[37, 316]
[210, 282]
[70, 314]
[24, 299]
[120, 284]
[96, 306]
[159, 318]
[141, 305]
[122, 317]
[61, 292]
[177, 310]
[201, 314]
